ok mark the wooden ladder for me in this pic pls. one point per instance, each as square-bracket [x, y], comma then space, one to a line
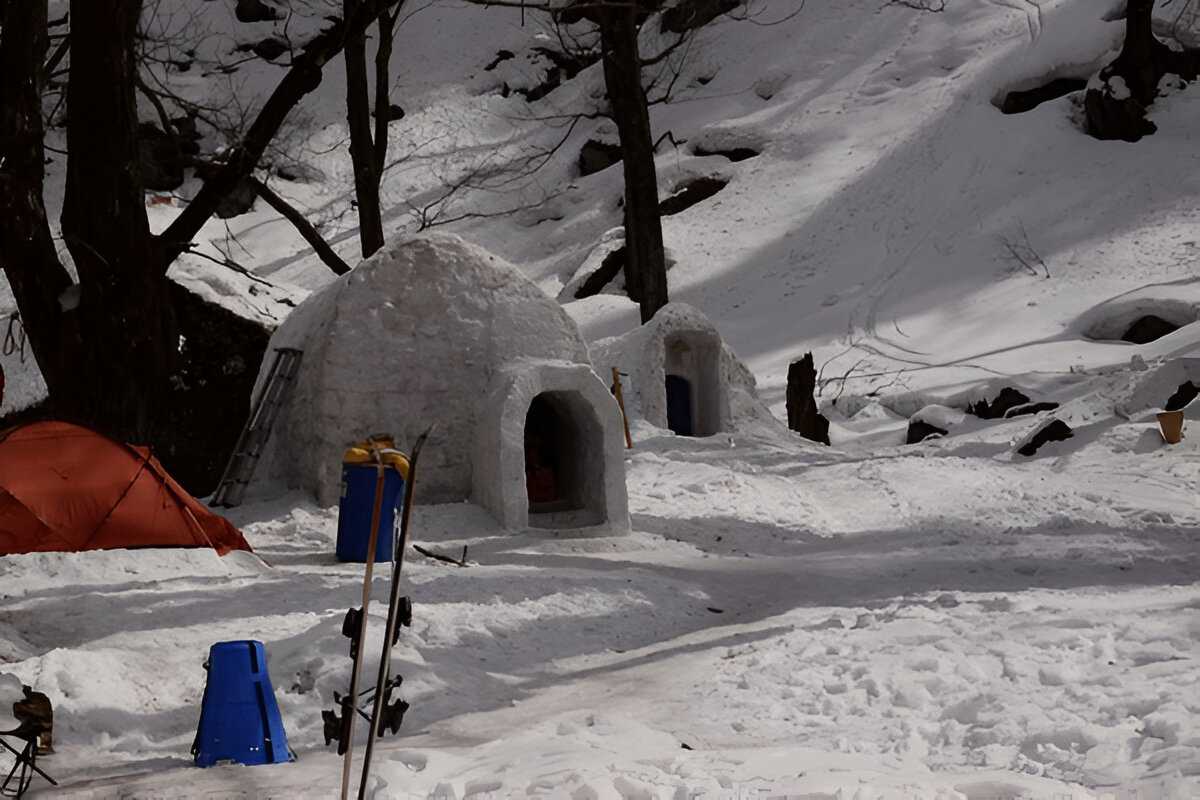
[254, 435]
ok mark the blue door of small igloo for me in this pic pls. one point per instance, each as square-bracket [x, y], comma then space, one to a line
[679, 405]
[239, 718]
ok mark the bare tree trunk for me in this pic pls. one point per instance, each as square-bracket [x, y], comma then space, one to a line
[1141, 53]
[123, 314]
[362, 149]
[27, 252]
[1141, 64]
[803, 415]
[123, 349]
[645, 269]
[383, 99]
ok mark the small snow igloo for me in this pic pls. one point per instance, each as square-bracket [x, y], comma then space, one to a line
[435, 330]
[682, 376]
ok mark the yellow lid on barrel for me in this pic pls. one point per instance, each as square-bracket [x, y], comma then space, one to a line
[363, 454]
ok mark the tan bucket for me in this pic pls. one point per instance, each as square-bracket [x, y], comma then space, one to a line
[1171, 423]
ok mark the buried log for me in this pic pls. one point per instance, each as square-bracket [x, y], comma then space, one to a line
[595, 156]
[1009, 403]
[919, 431]
[1030, 408]
[1185, 394]
[694, 192]
[690, 15]
[1020, 101]
[255, 11]
[1054, 431]
[1007, 399]
[734, 154]
[612, 266]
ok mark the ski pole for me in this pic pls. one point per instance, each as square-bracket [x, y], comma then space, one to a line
[393, 612]
[362, 623]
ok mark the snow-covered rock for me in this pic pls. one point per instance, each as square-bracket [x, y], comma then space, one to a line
[1152, 388]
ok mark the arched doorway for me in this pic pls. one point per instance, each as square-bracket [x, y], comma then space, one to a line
[563, 443]
[560, 417]
[679, 405]
[692, 366]
[544, 427]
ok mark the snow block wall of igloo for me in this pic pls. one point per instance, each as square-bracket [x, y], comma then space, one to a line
[435, 330]
[678, 359]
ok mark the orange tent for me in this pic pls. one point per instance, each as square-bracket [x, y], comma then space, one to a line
[64, 487]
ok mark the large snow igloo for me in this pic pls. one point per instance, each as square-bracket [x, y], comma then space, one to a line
[435, 330]
[680, 375]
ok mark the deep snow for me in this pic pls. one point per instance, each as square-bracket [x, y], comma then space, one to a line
[939, 620]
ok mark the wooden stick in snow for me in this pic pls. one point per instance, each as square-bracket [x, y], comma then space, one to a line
[621, 403]
[461, 562]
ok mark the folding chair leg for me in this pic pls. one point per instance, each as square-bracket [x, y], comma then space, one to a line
[21, 774]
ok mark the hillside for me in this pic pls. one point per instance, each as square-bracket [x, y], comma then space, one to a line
[948, 619]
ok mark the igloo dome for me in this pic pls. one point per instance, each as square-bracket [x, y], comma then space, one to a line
[435, 330]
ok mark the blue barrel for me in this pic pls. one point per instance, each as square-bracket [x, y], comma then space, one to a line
[357, 504]
[239, 718]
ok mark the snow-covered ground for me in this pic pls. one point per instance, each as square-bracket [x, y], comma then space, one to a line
[869, 620]
[784, 620]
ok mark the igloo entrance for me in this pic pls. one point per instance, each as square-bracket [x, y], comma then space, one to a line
[560, 433]
[677, 359]
[692, 367]
[549, 450]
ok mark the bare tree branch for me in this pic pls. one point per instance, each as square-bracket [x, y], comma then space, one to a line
[1022, 252]
[302, 226]
[227, 262]
[383, 103]
[303, 77]
[56, 58]
[163, 117]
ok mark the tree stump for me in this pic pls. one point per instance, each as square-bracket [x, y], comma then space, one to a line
[802, 413]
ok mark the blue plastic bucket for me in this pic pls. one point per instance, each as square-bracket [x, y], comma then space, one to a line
[239, 718]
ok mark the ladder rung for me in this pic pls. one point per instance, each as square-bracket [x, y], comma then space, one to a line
[257, 429]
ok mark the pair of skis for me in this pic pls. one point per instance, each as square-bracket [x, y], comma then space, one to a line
[384, 712]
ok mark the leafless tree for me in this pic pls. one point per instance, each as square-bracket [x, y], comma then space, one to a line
[1117, 109]
[368, 150]
[113, 337]
[617, 27]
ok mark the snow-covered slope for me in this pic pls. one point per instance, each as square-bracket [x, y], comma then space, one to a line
[874, 619]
